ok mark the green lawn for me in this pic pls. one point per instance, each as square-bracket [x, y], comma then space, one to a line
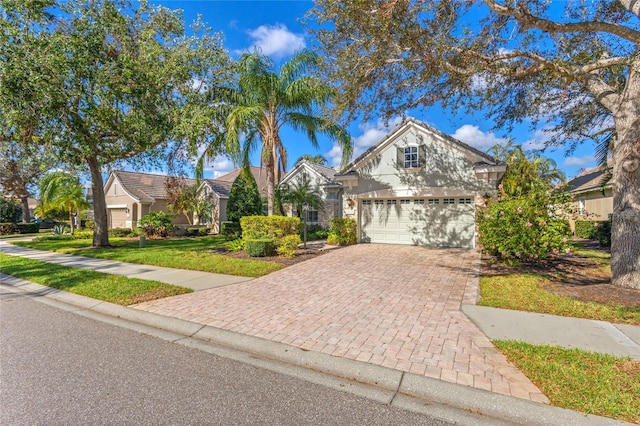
[110, 288]
[578, 380]
[188, 253]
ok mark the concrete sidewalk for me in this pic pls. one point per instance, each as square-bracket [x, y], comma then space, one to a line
[195, 280]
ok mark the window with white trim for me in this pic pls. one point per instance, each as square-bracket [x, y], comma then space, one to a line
[378, 202]
[410, 157]
[420, 201]
[449, 201]
[433, 201]
[366, 202]
[405, 201]
[464, 201]
[391, 202]
[582, 205]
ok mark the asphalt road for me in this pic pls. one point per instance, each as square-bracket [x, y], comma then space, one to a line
[57, 367]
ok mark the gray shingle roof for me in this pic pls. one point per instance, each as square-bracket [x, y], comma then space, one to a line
[259, 174]
[146, 187]
[588, 179]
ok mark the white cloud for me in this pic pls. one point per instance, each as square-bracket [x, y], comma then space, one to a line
[371, 134]
[579, 161]
[220, 165]
[538, 142]
[276, 40]
[472, 135]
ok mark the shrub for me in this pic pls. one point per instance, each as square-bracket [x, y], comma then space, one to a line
[55, 237]
[88, 224]
[274, 227]
[287, 245]
[244, 198]
[595, 230]
[157, 224]
[7, 228]
[259, 247]
[522, 229]
[197, 231]
[235, 245]
[82, 235]
[61, 229]
[120, 232]
[28, 228]
[342, 232]
[230, 230]
[10, 211]
[316, 232]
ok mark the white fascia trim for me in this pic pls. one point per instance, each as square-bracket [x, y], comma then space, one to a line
[117, 206]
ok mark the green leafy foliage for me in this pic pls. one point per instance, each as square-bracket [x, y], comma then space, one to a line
[342, 232]
[235, 245]
[197, 231]
[60, 190]
[230, 230]
[522, 228]
[10, 211]
[300, 193]
[316, 232]
[28, 228]
[244, 197]
[61, 230]
[259, 247]
[274, 227]
[287, 245]
[594, 230]
[120, 232]
[157, 224]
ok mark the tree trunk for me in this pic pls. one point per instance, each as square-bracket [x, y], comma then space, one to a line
[71, 219]
[100, 230]
[26, 217]
[625, 232]
[270, 188]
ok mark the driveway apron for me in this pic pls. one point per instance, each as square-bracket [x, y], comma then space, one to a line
[391, 305]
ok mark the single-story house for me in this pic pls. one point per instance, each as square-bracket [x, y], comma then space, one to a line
[131, 195]
[322, 181]
[418, 186]
[593, 194]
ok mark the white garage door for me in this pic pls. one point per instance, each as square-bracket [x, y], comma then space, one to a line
[438, 222]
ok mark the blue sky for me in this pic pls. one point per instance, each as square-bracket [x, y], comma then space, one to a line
[275, 28]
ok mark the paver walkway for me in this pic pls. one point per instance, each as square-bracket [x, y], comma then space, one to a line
[396, 306]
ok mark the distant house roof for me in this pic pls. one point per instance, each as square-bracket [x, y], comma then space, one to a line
[489, 160]
[145, 187]
[259, 174]
[327, 173]
[588, 180]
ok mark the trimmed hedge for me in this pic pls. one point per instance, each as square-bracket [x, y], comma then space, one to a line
[259, 247]
[287, 245]
[197, 231]
[342, 232]
[231, 230]
[120, 232]
[274, 227]
[28, 228]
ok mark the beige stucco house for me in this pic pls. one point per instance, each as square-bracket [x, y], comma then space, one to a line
[322, 181]
[418, 186]
[131, 195]
[593, 195]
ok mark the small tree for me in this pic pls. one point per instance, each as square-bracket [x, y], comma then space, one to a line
[60, 190]
[9, 211]
[244, 198]
[189, 200]
[300, 193]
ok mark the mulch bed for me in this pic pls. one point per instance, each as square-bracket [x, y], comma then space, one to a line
[300, 256]
[573, 276]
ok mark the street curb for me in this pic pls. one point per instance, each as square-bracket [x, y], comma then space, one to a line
[427, 390]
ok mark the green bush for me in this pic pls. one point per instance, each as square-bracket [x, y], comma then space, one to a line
[259, 247]
[157, 224]
[7, 228]
[522, 229]
[120, 232]
[55, 237]
[274, 227]
[230, 230]
[342, 232]
[235, 245]
[244, 197]
[82, 235]
[197, 231]
[28, 228]
[88, 224]
[61, 229]
[595, 230]
[10, 211]
[316, 232]
[287, 245]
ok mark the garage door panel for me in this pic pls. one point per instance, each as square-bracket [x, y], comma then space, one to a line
[406, 222]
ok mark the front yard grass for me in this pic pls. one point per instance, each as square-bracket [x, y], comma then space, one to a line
[97, 285]
[588, 382]
[188, 253]
[561, 287]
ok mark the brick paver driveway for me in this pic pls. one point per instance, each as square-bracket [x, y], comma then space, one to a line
[396, 306]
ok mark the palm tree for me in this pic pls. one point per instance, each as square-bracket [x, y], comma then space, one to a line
[62, 190]
[265, 101]
[316, 159]
[300, 193]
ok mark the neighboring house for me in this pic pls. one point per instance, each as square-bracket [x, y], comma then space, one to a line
[131, 195]
[418, 186]
[322, 181]
[593, 195]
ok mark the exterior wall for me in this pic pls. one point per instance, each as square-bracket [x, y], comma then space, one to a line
[598, 206]
[330, 208]
[162, 205]
[447, 173]
[119, 207]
